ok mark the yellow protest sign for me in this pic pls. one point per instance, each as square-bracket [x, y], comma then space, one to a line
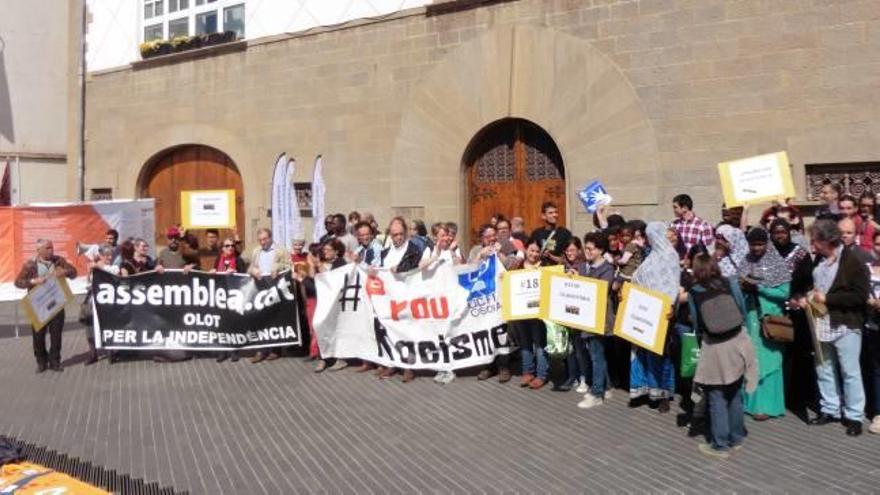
[757, 179]
[643, 317]
[521, 293]
[209, 209]
[574, 301]
[46, 300]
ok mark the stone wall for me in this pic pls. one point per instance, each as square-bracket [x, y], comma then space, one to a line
[648, 95]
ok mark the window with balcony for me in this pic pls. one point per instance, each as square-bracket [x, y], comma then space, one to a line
[168, 19]
[233, 20]
[153, 32]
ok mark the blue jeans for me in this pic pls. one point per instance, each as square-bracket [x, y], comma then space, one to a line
[577, 363]
[726, 415]
[843, 352]
[596, 344]
[533, 340]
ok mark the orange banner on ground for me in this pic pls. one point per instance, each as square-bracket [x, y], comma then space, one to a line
[32, 479]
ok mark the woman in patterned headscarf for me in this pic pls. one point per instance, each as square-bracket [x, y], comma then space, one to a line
[650, 374]
[765, 279]
[731, 249]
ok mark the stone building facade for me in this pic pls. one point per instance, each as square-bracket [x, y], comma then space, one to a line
[646, 95]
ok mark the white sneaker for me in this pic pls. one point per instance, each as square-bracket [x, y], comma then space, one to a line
[444, 377]
[590, 400]
[875, 425]
[608, 395]
[582, 387]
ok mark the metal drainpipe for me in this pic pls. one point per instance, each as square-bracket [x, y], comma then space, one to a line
[81, 117]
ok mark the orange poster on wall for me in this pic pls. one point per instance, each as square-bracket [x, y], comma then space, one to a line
[66, 225]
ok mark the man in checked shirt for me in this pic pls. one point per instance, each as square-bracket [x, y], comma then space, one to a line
[692, 229]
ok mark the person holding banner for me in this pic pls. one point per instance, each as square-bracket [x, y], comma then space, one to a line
[652, 375]
[400, 257]
[33, 273]
[228, 262]
[103, 262]
[267, 259]
[595, 245]
[489, 246]
[765, 279]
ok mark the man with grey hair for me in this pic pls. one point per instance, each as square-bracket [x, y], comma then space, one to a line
[839, 296]
[267, 259]
[33, 273]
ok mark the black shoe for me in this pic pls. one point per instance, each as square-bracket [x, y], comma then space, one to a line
[41, 367]
[222, 357]
[853, 428]
[56, 367]
[823, 419]
[234, 358]
[93, 358]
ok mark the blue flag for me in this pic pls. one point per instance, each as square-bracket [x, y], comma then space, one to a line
[593, 196]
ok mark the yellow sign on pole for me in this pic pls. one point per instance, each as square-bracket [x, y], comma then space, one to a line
[210, 209]
[643, 317]
[46, 300]
[574, 301]
[756, 180]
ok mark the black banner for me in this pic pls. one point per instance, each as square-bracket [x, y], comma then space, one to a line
[196, 311]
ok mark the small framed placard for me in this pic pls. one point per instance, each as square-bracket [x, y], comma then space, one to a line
[643, 317]
[208, 209]
[46, 300]
[574, 301]
[521, 293]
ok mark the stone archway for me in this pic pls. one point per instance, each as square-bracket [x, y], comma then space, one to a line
[188, 167]
[557, 81]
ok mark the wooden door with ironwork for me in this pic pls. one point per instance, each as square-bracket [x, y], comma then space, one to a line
[513, 168]
[190, 168]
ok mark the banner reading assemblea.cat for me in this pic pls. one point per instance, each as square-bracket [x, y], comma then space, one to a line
[440, 318]
[195, 311]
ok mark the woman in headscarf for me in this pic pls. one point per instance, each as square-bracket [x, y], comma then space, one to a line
[799, 366]
[731, 249]
[766, 280]
[650, 374]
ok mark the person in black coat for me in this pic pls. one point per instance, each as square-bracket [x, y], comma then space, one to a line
[839, 295]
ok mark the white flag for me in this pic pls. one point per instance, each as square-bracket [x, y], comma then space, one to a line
[294, 220]
[279, 221]
[318, 190]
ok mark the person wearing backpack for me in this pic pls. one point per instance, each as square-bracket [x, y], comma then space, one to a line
[727, 357]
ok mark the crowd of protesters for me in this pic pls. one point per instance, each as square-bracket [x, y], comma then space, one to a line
[731, 284]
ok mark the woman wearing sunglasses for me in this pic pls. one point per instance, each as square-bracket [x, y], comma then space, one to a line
[228, 261]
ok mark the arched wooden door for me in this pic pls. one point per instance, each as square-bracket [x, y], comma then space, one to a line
[184, 168]
[513, 167]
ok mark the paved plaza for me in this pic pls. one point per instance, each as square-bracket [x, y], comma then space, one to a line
[276, 427]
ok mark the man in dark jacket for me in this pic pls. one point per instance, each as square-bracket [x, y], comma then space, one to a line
[841, 283]
[34, 273]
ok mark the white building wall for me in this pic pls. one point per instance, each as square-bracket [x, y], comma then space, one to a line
[116, 26]
[33, 77]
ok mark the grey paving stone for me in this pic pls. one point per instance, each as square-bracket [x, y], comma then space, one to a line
[279, 428]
